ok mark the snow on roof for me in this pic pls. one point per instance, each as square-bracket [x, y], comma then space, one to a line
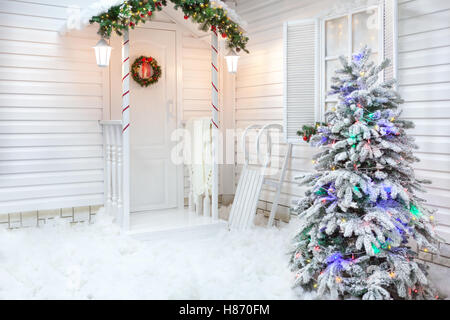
[231, 13]
[79, 17]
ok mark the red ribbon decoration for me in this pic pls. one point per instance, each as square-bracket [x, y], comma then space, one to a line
[146, 72]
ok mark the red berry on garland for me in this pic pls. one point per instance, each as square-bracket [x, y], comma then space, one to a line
[213, 28]
[186, 17]
[224, 35]
[150, 59]
[149, 13]
[142, 15]
[305, 138]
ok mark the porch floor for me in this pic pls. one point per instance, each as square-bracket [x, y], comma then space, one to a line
[150, 225]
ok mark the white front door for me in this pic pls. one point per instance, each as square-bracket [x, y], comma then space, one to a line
[153, 118]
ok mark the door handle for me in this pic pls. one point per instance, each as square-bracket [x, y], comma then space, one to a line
[170, 108]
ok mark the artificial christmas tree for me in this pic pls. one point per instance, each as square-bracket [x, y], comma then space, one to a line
[361, 211]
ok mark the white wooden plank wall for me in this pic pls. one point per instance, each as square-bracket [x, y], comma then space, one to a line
[424, 62]
[259, 86]
[196, 84]
[51, 98]
[424, 82]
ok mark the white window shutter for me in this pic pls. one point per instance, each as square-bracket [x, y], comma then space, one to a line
[301, 75]
[389, 22]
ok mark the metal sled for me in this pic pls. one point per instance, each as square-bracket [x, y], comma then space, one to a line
[248, 191]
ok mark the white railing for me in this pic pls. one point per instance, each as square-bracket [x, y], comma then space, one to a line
[113, 155]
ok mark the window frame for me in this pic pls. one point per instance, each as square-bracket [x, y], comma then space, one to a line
[323, 100]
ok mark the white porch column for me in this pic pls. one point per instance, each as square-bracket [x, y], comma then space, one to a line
[215, 122]
[126, 130]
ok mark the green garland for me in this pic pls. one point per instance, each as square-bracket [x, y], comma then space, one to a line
[308, 131]
[132, 12]
[145, 82]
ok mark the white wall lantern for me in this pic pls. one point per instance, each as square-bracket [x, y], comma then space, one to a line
[232, 61]
[102, 53]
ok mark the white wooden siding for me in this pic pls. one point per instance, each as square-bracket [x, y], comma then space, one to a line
[196, 71]
[424, 83]
[259, 85]
[51, 98]
[196, 78]
[424, 64]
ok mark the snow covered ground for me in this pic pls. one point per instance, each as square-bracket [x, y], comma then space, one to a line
[82, 261]
[62, 261]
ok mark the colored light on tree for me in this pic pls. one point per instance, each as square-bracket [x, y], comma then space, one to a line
[414, 210]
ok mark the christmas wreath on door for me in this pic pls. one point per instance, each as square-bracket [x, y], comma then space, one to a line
[145, 71]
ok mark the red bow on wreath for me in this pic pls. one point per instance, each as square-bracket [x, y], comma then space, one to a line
[146, 67]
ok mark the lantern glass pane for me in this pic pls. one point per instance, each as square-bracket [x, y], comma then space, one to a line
[102, 53]
[232, 63]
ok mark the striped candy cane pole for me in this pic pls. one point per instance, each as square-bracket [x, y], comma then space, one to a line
[215, 122]
[126, 129]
